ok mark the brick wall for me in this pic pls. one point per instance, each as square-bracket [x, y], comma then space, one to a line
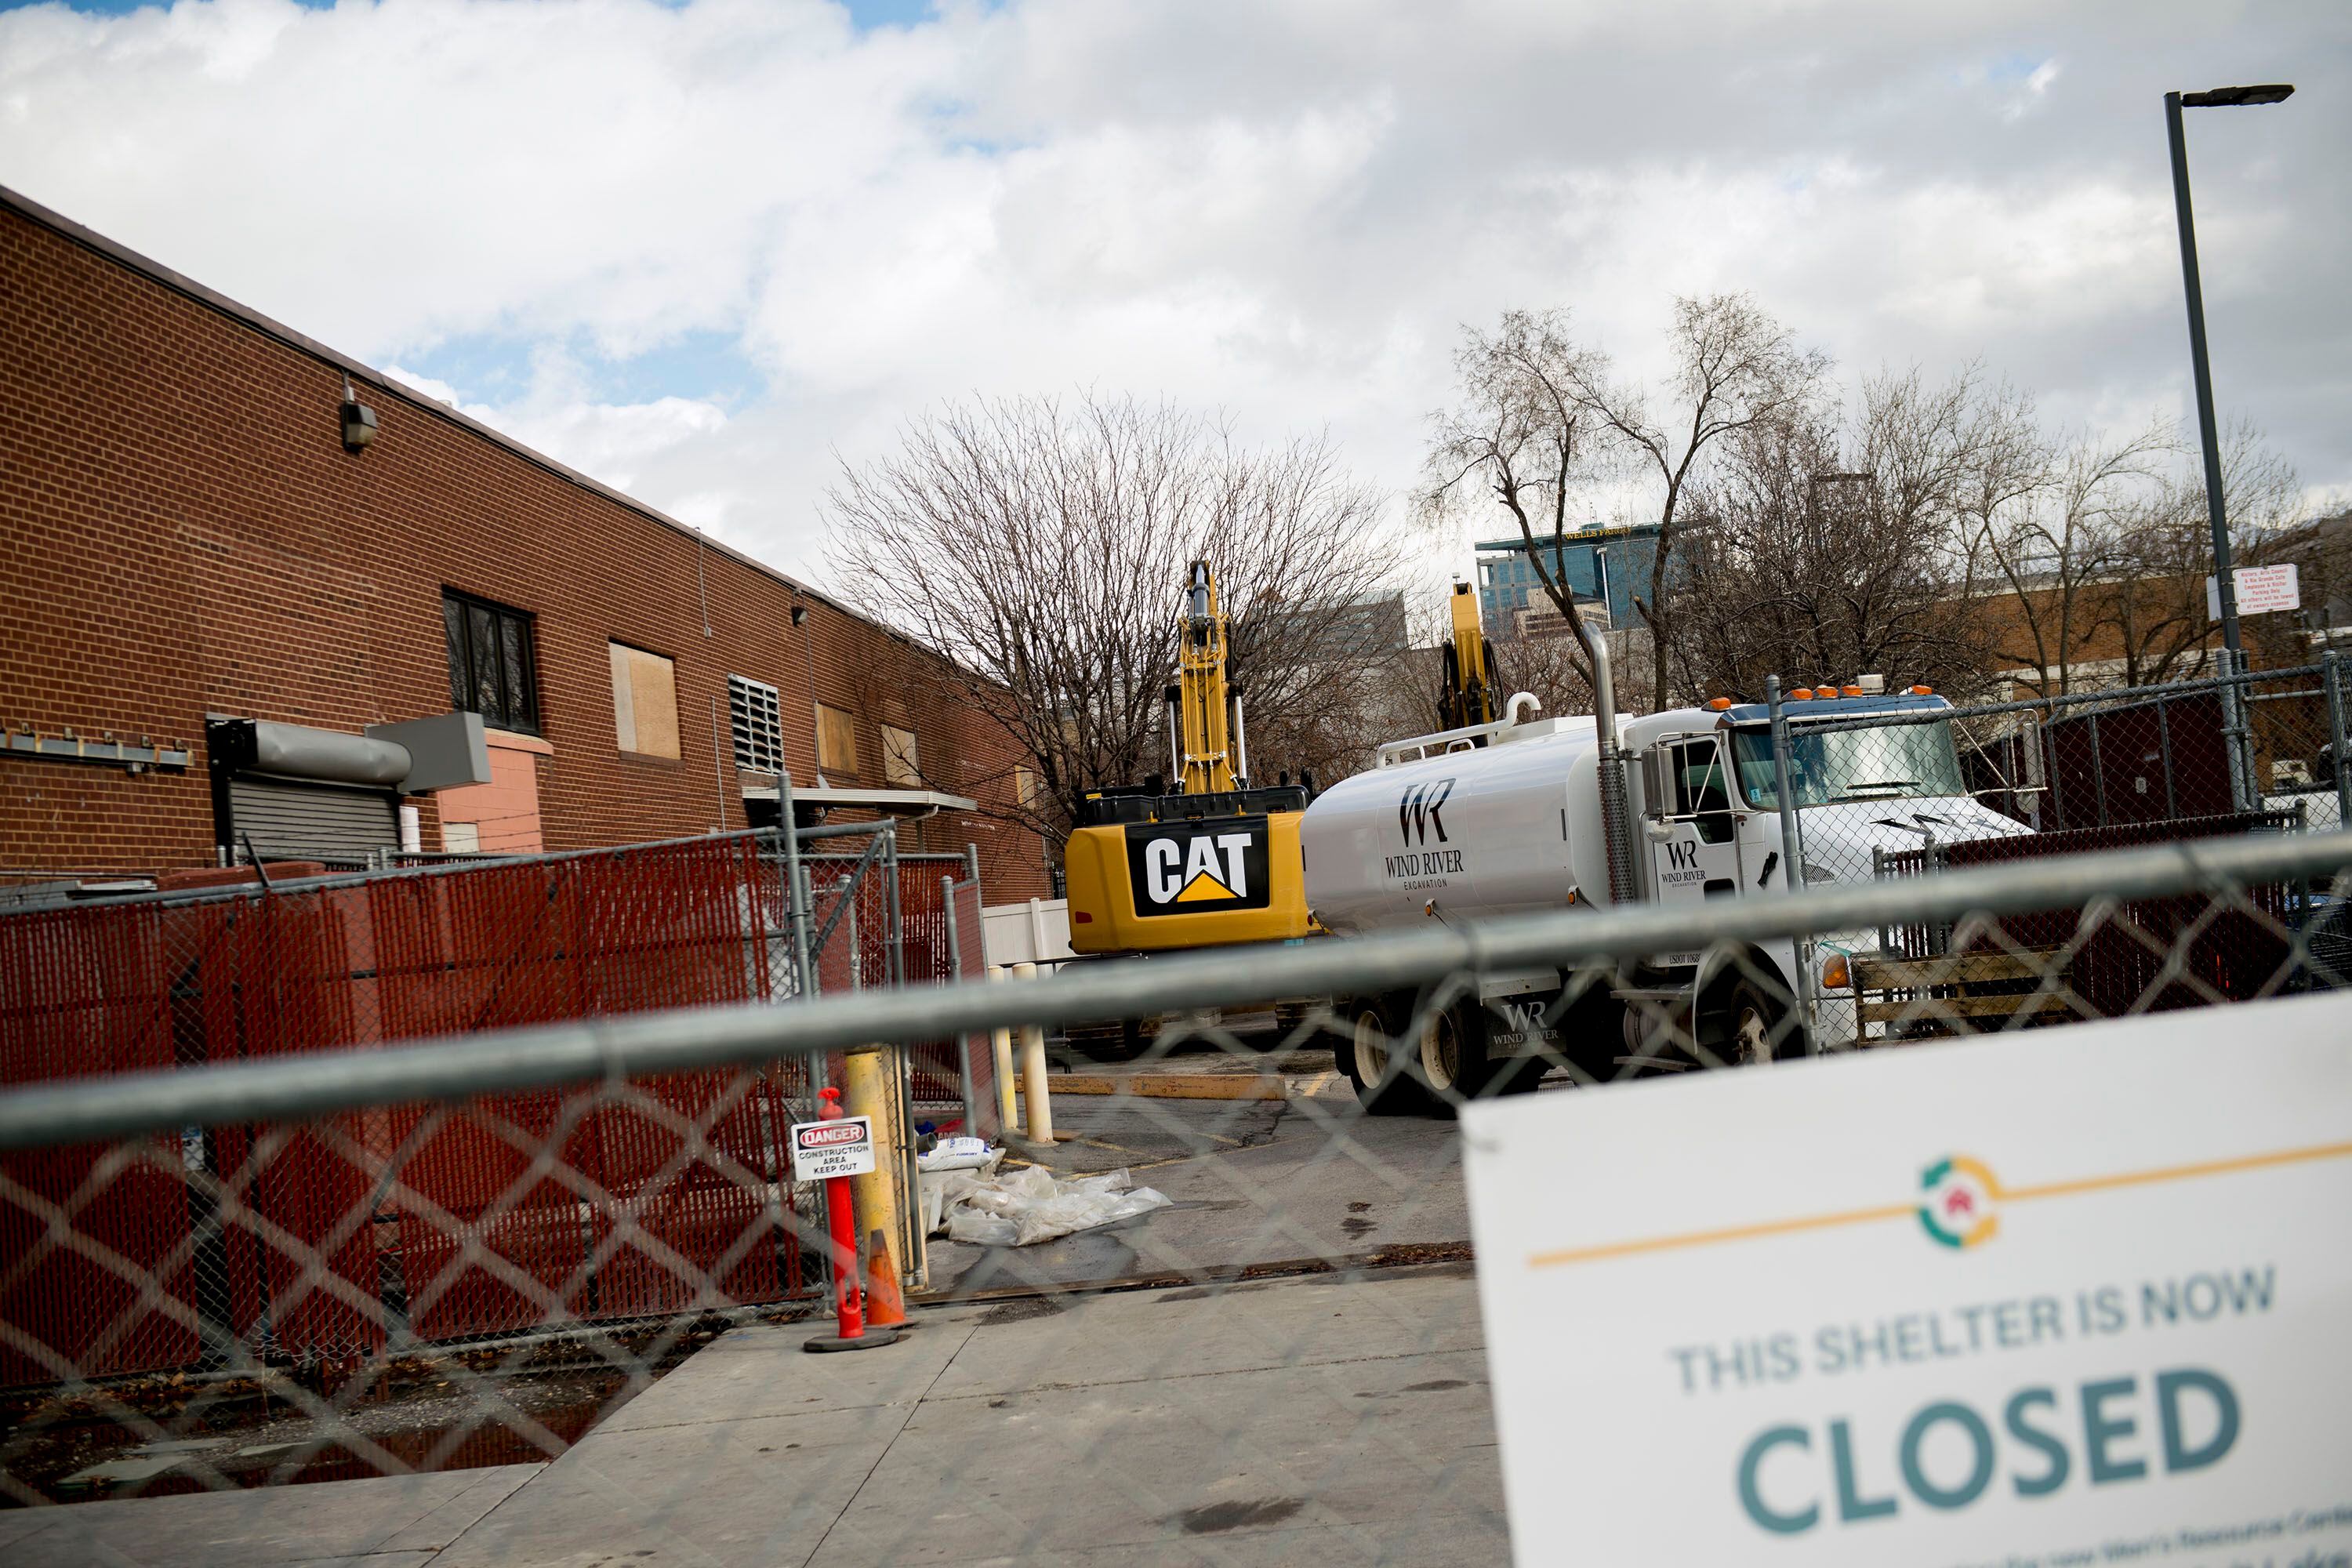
[182, 531]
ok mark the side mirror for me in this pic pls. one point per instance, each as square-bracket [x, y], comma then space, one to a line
[1657, 793]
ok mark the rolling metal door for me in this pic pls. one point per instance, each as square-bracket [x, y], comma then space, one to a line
[289, 820]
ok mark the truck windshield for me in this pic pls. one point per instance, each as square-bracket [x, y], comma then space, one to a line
[1894, 762]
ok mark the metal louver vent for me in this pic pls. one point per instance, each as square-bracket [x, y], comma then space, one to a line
[758, 721]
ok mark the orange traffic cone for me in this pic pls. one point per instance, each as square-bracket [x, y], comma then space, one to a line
[886, 1306]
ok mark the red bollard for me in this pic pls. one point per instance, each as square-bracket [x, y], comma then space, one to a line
[841, 1229]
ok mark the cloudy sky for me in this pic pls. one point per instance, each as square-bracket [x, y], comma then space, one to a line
[697, 249]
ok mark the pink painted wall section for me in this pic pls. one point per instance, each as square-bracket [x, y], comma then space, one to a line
[503, 812]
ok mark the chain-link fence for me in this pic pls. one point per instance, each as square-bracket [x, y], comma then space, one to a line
[568, 1248]
[271, 968]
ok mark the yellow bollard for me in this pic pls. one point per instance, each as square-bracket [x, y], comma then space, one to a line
[1006, 1119]
[869, 1087]
[1033, 1071]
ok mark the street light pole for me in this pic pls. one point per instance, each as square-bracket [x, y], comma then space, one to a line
[2224, 587]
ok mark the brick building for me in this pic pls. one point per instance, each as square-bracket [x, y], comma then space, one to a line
[185, 533]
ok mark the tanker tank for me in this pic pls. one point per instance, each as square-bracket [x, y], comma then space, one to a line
[1510, 827]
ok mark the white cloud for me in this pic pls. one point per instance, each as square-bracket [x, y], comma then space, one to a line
[1284, 208]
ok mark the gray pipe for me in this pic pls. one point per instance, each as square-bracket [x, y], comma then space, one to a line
[1175, 695]
[297, 751]
[1616, 831]
[1241, 745]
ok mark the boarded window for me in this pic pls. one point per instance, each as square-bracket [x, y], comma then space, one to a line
[836, 740]
[758, 718]
[901, 765]
[1025, 788]
[645, 702]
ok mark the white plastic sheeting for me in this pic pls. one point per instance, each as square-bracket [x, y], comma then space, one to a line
[1030, 1204]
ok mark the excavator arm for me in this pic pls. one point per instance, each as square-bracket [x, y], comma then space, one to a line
[1205, 745]
[1469, 694]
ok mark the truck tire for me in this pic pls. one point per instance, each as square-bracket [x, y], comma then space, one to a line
[1752, 1017]
[1120, 1042]
[1453, 1056]
[1385, 1085]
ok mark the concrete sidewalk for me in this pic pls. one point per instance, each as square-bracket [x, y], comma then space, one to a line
[1313, 1420]
[1253, 1182]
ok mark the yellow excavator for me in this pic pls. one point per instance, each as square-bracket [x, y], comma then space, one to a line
[1209, 863]
[1470, 694]
[1215, 861]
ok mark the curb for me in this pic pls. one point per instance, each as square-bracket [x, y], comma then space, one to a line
[1172, 1085]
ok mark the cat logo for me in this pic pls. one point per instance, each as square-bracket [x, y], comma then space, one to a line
[1198, 867]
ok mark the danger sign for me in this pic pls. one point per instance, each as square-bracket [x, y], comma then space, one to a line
[842, 1147]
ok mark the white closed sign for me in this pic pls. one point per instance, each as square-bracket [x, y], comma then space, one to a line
[2074, 1295]
[842, 1147]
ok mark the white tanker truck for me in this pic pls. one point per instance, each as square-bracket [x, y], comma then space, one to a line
[1510, 816]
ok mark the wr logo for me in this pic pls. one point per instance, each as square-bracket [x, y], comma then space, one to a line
[1682, 856]
[1417, 813]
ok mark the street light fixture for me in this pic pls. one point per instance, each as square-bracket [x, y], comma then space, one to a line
[2224, 588]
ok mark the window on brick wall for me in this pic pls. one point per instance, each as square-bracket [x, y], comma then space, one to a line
[901, 764]
[836, 740]
[645, 702]
[493, 667]
[758, 718]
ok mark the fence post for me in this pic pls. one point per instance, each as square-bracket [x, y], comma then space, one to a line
[894, 955]
[2339, 739]
[2232, 721]
[1040, 1126]
[1792, 858]
[1001, 1039]
[795, 894]
[963, 1037]
[1878, 874]
[971, 863]
[873, 1083]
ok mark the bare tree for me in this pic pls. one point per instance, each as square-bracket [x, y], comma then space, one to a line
[1828, 545]
[1042, 546]
[1735, 367]
[1519, 437]
[2048, 523]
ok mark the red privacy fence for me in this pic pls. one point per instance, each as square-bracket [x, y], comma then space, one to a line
[671, 1194]
[2150, 955]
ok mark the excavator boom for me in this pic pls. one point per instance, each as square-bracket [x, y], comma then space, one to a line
[1202, 745]
[1469, 696]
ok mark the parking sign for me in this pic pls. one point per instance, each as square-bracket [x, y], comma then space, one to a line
[842, 1147]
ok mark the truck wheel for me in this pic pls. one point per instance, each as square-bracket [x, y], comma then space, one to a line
[1120, 1042]
[1453, 1050]
[1752, 1020]
[1383, 1078]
